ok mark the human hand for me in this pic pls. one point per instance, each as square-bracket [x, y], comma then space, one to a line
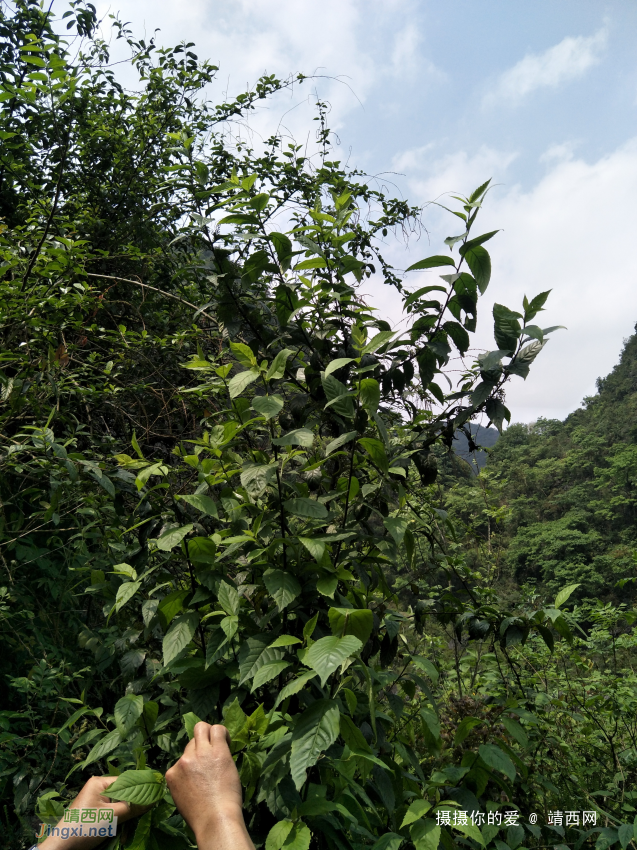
[90, 797]
[205, 786]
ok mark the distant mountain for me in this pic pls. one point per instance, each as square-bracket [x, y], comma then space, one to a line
[483, 437]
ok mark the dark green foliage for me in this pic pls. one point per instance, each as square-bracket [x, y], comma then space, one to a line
[570, 488]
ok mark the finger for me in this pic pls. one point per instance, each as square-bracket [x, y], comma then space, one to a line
[219, 736]
[190, 748]
[202, 734]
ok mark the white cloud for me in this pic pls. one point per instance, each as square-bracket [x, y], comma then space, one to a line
[565, 61]
[355, 45]
[571, 233]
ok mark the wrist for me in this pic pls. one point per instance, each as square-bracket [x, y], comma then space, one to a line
[226, 820]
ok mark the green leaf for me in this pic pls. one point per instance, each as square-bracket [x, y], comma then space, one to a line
[564, 594]
[328, 653]
[142, 833]
[370, 394]
[428, 667]
[277, 367]
[352, 735]
[170, 606]
[340, 441]
[314, 263]
[105, 746]
[238, 383]
[127, 712]
[479, 262]
[190, 721]
[285, 640]
[295, 686]
[315, 730]
[415, 811]
[125, 593]
[396, 526]
[278, 834]
[507, 328]
[172, 538]
[479, 240]
[338, 364]
[388, 841]
[426, 835]
[308, 628]
[515, 730]
[377, 342]
[351, 621]
[431, 263]
[309, 508]
[282, 586]
[464, 727]
[228, 598]
[255, 477]
[376, 451]
[268, 672]
[326, 585]
[141, 787]
[300, 437]
[625, 833]
[202, 503]
[243, 353]
[316, 548]
[179, 636]
[493, 756]
[268, 406]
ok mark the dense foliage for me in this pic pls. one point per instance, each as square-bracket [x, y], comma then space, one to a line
[569, 492]
[218, 485]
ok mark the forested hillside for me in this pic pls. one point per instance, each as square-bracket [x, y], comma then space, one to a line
[570, 488]
[228, 490]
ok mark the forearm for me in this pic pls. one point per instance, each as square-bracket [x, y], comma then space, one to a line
[226, 830]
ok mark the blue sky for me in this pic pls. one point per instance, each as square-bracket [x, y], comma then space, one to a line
[541, 96]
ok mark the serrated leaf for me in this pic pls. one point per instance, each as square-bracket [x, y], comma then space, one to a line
[564, 594]
[377, 342]
[285, 640]
[479, 262]
[351, 621]
[316, 548]
[337, 364]
[315, 730]
[431, 263]
[415, 811]
[202, 503]
[299, 437]
[228, 598]
[328, 653]
[255, 477]
[125, 593]
[295, 686]
[190, 720]
[179, 636]
[268, 672]
[172, 538]
[238, 383]
[282, 586]
[127, 712]
[309, 508]
[278, 834]
[268, 406]
[277, 367]
[141, 787]
[493, 756]
[340, 441]
[105, 746]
